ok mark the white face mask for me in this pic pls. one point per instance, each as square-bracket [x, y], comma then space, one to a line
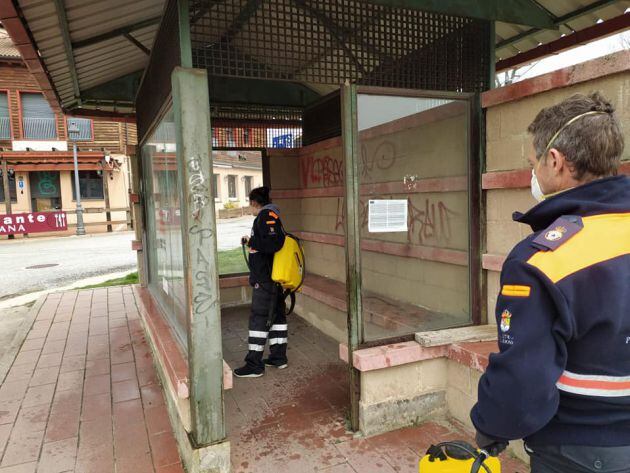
[537, 193]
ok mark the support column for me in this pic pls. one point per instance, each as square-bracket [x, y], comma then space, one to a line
[7, 191]
[136, 201]
[199, 240]
[108, 215]
[353, 244]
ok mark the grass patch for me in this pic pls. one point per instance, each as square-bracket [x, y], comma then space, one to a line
[230, 262]
[131, 278]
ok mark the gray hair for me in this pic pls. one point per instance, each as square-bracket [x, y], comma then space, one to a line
[592, 144]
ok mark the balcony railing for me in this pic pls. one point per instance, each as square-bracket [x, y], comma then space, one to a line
[85, 129]
[5, 128]
[39, 128]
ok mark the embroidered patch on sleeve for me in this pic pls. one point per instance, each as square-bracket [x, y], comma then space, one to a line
[273, 214]
[516, 290]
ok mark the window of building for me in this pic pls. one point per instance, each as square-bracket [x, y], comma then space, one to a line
[84, 127]
[246, 133]
[38, 119]
[91, 185]
[232, 187]
[215, 186]
[12, 187]
[248, 185]
[5, 119]
[229, 135]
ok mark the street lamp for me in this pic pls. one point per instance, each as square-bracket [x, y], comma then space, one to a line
[73, 135]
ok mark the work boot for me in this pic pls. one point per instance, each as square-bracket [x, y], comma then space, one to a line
[248, 372]
[276, 364]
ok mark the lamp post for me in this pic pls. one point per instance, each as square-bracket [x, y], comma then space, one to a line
[73, 135]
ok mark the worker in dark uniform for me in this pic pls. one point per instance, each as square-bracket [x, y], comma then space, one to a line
[562, 378]
[267, 320]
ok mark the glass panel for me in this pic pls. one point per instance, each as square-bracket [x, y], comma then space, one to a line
[232, 187]
[38, 119]
[12, 187]
[91, 185]
[166, 268]
[5, 121]
[84, 129]
[414, 214]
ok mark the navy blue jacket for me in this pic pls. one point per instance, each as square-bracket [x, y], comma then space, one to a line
[267, 239]
[563, 372]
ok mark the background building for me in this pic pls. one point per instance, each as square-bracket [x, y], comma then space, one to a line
[34, 143]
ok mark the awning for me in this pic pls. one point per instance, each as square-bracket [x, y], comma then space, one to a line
[88, 57]
[53, 160]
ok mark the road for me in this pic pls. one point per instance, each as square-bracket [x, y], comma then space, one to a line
[37, 264]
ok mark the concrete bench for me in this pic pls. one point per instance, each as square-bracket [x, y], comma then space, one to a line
[383, 317]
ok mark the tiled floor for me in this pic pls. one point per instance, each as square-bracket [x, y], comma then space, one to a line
[82, 395]
[294, 420]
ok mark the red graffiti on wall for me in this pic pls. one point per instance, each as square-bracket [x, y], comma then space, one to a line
[428, 223]
[383, 158]
[432, 222]
[325, 171]
[341, 214]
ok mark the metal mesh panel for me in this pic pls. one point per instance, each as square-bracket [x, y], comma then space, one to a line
[329, 41]
[243, 126]
[156, 85]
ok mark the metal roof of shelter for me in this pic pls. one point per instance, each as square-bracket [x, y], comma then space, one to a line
[90, 54]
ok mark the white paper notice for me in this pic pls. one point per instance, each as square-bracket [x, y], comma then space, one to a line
[387, 216]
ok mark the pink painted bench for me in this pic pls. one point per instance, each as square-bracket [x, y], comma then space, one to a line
[392, 315]
[474, 354]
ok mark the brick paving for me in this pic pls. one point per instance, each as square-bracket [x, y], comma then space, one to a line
[294, 420]
[82, 394]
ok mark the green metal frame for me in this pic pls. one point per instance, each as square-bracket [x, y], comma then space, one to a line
[558, 21]
[521, 12]
[353, 241]
[199, 241]
[67, 45]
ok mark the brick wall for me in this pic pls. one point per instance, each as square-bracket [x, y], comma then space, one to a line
[509, 110]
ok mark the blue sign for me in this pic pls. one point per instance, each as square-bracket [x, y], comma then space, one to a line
[282, 141]
[21, 183]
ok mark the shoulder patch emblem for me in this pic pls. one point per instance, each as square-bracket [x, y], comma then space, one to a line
[506, 321]
[271, 222]
[558, 233]
[273, 214]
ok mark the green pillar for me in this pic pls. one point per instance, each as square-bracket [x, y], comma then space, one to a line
[194, 160]
[353, 241]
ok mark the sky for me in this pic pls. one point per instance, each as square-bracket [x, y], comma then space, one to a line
[583, 53]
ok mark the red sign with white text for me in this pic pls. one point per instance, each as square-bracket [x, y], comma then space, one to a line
[33, 222]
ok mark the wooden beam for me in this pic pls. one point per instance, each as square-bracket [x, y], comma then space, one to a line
[116, 32]
[199, 241]
[561, 20]
[351, 152]
[600, 30]
[137, 44]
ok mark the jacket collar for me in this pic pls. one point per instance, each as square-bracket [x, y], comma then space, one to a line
[607, 195]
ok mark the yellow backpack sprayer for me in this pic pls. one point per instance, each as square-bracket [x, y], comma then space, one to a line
[458, 457]
[288, 272]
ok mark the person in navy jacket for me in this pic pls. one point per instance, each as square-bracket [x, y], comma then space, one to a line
[562, 378]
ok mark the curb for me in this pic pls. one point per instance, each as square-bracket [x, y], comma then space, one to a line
[9, 356]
